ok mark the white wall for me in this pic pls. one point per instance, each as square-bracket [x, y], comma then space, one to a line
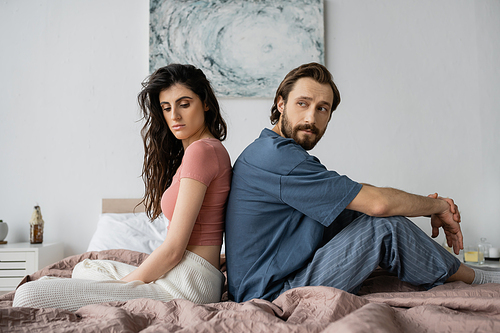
[420, 107]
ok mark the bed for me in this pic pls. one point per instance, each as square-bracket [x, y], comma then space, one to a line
[384, 304]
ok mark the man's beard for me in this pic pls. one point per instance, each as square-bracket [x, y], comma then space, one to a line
[308, 142]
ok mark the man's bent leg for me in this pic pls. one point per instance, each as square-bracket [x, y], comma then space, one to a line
[394, 243]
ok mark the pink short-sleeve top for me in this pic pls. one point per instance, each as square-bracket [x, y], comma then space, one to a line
[208, 162]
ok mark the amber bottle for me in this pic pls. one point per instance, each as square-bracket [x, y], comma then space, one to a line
[36, 226]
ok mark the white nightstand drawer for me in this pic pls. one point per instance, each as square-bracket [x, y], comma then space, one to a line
[14, 272]
[20, 259]
[13, 256]
[17, 263]
[10, 283]
[8, 265]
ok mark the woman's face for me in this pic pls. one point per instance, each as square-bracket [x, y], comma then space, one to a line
[184, 112]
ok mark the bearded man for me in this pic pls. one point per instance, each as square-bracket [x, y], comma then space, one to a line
[290, 222]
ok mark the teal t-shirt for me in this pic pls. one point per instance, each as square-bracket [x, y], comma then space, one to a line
[280, 202]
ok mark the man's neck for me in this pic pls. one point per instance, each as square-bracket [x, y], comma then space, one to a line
[277, 129]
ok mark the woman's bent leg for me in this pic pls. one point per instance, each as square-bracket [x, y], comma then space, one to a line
[72, 294]
[97, 281]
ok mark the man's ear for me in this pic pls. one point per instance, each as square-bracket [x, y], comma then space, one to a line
[280, 104]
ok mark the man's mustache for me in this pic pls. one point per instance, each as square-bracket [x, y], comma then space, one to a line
[309, 127]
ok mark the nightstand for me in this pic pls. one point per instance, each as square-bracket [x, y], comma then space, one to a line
[20, 259]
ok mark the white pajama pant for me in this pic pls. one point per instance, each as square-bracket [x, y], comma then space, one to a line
[98, 281]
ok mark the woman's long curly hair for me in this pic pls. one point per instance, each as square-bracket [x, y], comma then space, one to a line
[163, 152]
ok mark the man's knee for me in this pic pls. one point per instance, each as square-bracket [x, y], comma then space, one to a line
[392, 222]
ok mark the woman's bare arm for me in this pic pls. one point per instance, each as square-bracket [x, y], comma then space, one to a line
[170, 252]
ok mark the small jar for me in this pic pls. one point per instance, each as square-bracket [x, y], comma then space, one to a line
[485, 246]
[480, 254]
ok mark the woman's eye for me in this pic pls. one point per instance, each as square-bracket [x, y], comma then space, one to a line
[185, 105]
[166, 109]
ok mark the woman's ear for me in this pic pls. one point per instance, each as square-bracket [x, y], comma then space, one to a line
[206, 107]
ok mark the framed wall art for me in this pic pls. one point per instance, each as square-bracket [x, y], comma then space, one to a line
[245, 47]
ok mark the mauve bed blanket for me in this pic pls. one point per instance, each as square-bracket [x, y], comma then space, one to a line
[383, 305]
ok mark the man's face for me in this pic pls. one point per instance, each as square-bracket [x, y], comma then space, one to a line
[305, 116]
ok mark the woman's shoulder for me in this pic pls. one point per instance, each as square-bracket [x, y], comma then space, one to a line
[209, 145]
[209, 149]
[210, 142]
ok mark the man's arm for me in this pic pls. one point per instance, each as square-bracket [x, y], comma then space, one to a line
[383, 202]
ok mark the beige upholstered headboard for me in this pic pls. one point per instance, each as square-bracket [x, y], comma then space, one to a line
[122, 206]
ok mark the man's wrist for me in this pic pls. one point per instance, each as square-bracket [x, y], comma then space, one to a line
[442, 206]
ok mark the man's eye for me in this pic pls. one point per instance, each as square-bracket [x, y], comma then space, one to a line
[301, 104]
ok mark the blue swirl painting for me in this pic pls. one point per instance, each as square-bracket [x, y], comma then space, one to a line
[245, 47]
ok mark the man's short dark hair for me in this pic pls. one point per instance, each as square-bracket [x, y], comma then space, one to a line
[317, 72]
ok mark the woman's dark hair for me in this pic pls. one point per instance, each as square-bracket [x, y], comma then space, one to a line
[163, 152]
[315, 71]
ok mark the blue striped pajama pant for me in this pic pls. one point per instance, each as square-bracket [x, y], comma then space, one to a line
[395, 243]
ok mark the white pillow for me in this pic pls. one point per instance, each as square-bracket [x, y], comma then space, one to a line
[130, 231]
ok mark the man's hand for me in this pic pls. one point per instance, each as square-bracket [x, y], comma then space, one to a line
[449, 220]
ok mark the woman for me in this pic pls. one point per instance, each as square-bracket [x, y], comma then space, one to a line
[187, 173]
